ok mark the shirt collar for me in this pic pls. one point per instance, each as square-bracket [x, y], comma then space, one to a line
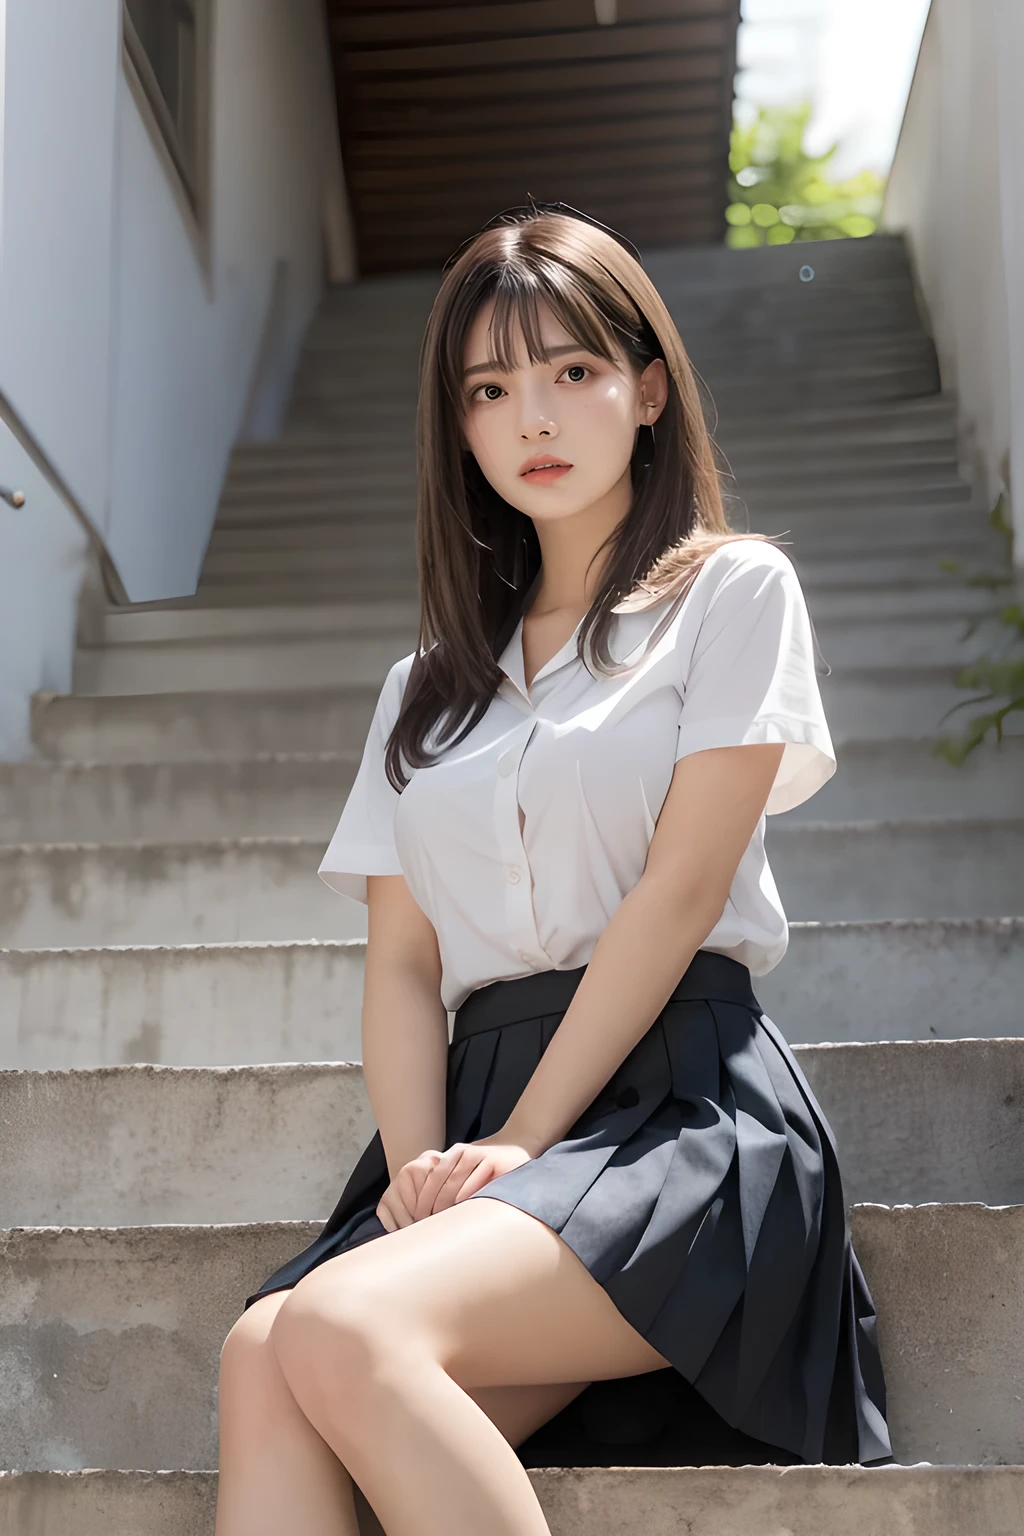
[511, 660]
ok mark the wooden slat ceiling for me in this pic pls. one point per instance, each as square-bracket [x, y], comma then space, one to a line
[451, 113]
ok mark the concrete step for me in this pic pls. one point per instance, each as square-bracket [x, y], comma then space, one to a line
[300, 795]
[914, 1122]
[68, 894]
[243, 665]
[898, 703]
[886, 780]
[277, 796]
[325, 508]
[142, 665]
[227, 1004]
[709, 1501]
[868, 704]
[173, 727]
[111, 1336]
[879, 869]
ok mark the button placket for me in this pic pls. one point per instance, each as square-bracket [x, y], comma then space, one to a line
[518, 884]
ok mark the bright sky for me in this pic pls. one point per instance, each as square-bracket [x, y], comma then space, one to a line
[854, 59]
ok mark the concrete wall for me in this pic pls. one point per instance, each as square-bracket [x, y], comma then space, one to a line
[128, 364]
[955, 189]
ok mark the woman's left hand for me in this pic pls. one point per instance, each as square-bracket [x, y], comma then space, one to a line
[465, 1167]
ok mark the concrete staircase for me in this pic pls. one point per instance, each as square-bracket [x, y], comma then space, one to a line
[179, 999]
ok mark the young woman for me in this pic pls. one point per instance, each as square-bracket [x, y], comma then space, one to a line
[615, 1228]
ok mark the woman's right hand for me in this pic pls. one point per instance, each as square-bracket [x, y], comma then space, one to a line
[397, 1205]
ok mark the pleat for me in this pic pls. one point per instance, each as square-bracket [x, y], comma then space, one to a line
[701, 1189]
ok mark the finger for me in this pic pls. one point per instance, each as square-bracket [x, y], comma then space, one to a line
[482, 1174]
[385, 1218]
[449, 1190]
[436, 1178]
[393, 1204]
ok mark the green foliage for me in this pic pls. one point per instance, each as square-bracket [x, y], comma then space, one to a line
[1000, 673]
[778, 194]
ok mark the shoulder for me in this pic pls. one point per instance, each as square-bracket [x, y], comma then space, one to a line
[747, 557]
[389, 701]
[745, 571]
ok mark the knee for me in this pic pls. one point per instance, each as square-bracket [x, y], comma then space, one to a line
[333, 1334]
[248, 1365]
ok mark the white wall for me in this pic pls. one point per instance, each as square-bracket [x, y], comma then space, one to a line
[184, 362]
[126, 366]
[43, 551]
[955, 189]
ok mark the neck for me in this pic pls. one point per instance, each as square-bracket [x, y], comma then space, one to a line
[570, 576]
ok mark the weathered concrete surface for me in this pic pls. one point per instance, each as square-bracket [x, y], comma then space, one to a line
[178, 1144]
[312, 661]
[207, 1005]
[899, 869]
[179, 666]
[189, 1005]
[270, 796]
[906, 779]
[684, 1501]
[267, 888]
[110, 1338]
[301, 795]
[170, 893]
[883, 704]
[871, 704]
[907, 979]
[938, 1120]
[948, 1283]
[176, 728]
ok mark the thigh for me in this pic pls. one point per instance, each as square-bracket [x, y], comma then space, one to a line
[491, 1292]
[515, 1411]
[518, 1411]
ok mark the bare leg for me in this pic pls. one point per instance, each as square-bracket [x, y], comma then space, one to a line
[277, 1473]
[383, 1346]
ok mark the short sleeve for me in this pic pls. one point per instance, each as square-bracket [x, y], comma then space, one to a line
[750, 676]
[364, 842]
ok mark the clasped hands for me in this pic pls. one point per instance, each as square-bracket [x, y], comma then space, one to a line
[435, 1180]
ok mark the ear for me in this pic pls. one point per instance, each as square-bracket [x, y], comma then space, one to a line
[653, 393]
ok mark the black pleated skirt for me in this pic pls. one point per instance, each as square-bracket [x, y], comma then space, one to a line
[701, 1189]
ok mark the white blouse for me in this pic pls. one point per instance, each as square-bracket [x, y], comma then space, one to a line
[520, 842]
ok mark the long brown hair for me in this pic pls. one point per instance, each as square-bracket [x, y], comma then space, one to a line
[468, 537]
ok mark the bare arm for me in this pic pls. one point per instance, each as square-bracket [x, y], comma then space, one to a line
[404, 1023]
[712, 808]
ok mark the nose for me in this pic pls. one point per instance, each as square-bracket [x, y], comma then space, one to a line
[536, 422]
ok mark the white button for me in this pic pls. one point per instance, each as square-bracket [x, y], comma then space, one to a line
[506, 763]
[512, 876]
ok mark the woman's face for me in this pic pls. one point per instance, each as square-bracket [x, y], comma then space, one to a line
[578, 412]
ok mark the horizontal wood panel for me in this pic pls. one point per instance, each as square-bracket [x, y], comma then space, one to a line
[563, 114]
[392, 26]
[458, 224]
[408, 150]
[450, 113]
[386, 255]
[519, 85]
[637, 159]
[599, 43]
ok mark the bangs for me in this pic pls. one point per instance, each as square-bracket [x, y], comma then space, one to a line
[520, 286]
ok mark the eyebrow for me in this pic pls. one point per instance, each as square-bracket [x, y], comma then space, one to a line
[493, 367]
